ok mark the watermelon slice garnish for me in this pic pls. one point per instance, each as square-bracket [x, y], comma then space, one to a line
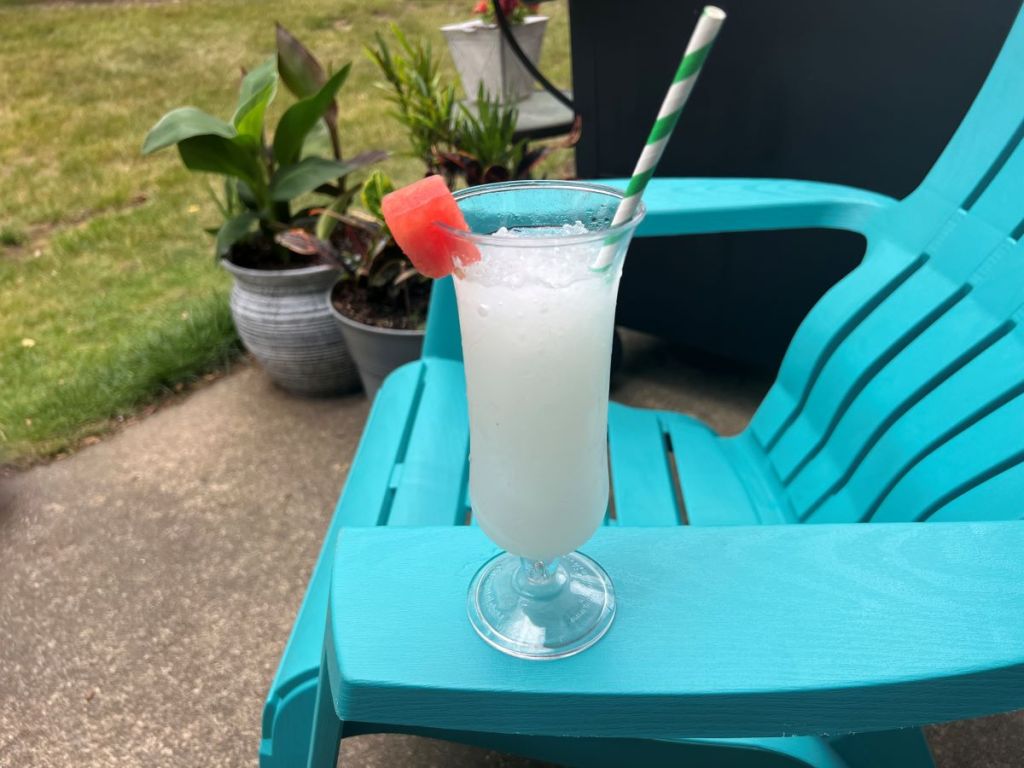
[412, 214]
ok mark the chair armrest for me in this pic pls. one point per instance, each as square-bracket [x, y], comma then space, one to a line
[704, 206]
[721, 632]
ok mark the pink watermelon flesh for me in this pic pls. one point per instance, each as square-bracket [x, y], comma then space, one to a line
[411, 214]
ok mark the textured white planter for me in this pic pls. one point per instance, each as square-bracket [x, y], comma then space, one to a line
[481, 55]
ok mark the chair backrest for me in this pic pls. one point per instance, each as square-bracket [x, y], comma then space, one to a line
[443, 338]
[902, 394]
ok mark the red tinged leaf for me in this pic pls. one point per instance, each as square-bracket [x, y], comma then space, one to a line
[412, 213]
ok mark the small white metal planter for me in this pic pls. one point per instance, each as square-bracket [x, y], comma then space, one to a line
[482, 56]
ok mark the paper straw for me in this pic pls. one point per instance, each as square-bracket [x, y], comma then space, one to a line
[697, 49]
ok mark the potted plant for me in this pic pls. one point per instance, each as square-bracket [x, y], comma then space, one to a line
[463, 145]
[483, 56]
[484, 150]
[379, 301]
[277, 297]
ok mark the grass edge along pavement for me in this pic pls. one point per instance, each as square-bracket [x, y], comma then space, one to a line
[109, 295]
[161, 361]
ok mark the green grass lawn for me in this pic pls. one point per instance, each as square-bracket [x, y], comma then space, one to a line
[108, 289]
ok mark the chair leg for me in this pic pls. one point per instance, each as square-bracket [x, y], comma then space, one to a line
[286, 729]
[325, 740]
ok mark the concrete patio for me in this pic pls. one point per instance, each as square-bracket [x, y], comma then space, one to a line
[148, 583]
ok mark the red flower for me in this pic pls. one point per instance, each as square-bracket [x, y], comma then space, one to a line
[533, 8]
[508, 8]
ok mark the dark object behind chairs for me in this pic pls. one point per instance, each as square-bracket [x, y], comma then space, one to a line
[863, 92]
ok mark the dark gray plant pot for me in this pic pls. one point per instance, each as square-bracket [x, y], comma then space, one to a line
[281, 319]
[377, 351]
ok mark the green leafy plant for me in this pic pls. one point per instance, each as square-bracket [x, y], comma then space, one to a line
[377, 185]
[264, 177]
[485, 148]
[386, 266]
[474, 146]
[379, 276]
[423, 103]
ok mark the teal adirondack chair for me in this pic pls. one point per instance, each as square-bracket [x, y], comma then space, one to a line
[900, 400]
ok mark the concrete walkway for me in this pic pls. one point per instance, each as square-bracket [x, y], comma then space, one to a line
[148, 583]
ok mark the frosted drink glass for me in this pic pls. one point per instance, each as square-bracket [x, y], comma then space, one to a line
[537, 321]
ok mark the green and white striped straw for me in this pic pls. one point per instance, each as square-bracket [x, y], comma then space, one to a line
[697, 49]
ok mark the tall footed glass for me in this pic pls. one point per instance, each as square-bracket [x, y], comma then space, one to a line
[537, 320]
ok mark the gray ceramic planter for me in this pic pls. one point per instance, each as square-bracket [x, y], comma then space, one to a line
[281, 319]
[377, 351]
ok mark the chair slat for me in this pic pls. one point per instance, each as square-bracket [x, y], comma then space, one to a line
[915, 304]
[999, 498]
[886, 398]
[991, 124]
[985, 383]
[433, 467]
[896, 243]
[993, 444]
[713, 492]
[829, 322]
[1000, 204]
[641, 475]
[953, 340]
[367, 492]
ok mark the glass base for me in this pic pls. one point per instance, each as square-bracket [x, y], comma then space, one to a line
[536, 610]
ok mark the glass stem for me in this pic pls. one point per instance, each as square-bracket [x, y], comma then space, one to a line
[539, 578]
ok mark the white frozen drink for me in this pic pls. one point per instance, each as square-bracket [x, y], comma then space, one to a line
[537, 329]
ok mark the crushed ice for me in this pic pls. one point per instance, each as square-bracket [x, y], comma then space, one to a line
[566, 230]
[552, 265]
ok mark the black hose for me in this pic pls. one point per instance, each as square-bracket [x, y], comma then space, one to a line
[506, 32]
